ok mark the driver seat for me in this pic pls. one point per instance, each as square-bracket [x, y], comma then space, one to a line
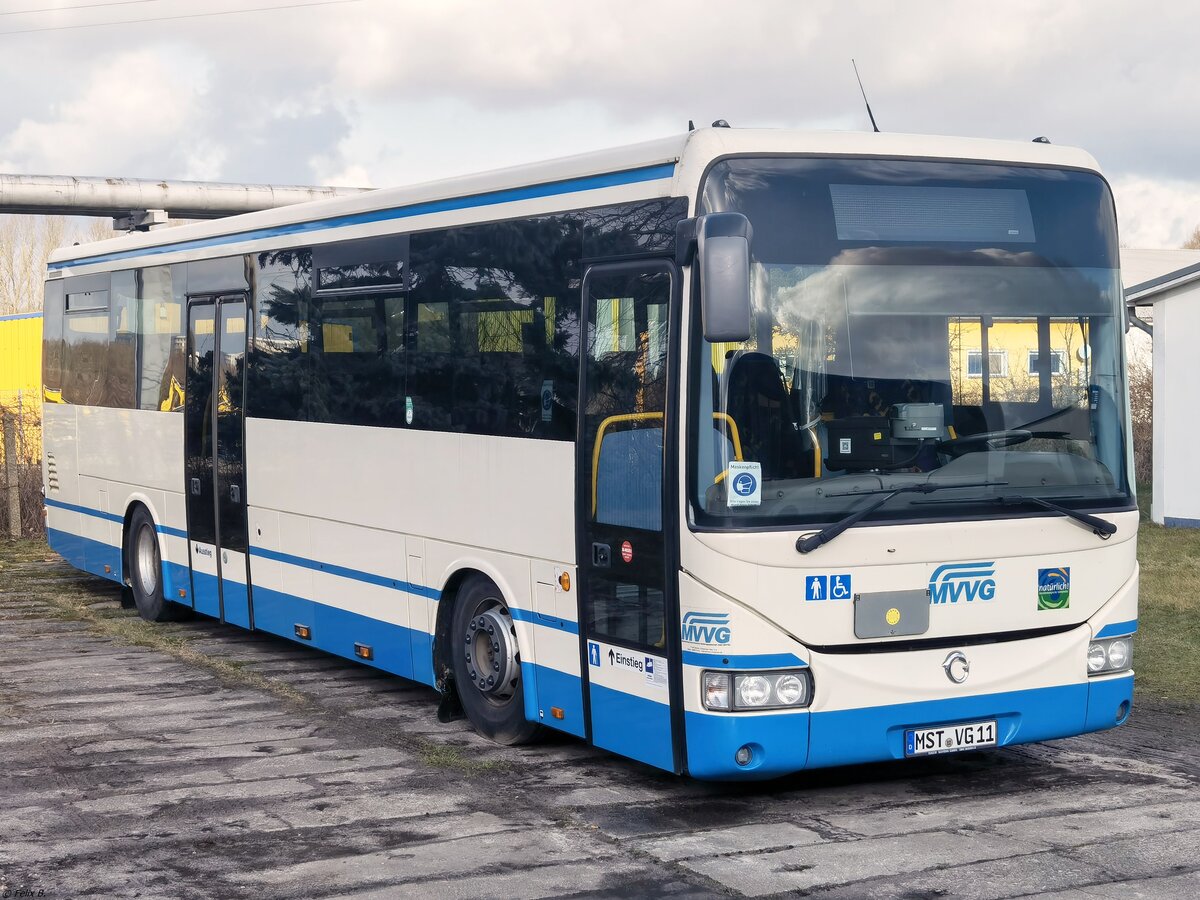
[757, 400]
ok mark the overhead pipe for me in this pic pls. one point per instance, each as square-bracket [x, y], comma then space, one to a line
[142, 203]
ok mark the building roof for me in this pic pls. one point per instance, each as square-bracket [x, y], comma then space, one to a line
[1148, 274]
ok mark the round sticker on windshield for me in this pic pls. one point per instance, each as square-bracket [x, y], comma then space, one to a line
[745, 484]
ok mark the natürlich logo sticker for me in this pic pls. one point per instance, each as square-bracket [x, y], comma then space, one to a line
[1054, 588]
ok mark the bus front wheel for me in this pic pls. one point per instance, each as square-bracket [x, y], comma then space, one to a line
[487, 663]
[144, 564]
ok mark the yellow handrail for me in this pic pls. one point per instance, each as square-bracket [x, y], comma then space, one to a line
[643, 417]
[604, 426]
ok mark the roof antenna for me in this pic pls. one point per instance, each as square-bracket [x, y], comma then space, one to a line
[870, 115]
[691, 125]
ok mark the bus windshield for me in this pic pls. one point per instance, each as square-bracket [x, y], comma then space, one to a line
[914, 322]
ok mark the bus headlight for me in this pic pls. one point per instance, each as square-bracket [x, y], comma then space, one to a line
[1113, 655]
[747, 691]
[752, 690]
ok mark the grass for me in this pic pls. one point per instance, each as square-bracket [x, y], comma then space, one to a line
[1166, 655]
[449, 756]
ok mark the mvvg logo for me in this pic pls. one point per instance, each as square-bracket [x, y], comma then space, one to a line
[962, 581]
[706, 628]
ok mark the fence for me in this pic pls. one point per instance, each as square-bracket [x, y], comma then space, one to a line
[21, 470]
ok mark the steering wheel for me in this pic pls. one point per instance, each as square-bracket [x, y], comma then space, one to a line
[988, 440]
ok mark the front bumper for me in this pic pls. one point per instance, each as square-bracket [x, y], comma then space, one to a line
[1036, 690]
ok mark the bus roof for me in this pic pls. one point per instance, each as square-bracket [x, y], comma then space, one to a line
[667, 167]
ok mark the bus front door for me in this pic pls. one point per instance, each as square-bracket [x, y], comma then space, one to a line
[214, 460]
[628, 629]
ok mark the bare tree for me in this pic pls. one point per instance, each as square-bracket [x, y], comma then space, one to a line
[1192, 243]
[25, 245]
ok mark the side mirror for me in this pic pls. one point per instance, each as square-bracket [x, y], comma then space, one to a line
[723, 253]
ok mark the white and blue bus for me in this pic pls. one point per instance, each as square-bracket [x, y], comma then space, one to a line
[737, 453]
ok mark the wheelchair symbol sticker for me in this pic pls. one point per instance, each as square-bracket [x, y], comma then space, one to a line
[745, 483]
[839, 587]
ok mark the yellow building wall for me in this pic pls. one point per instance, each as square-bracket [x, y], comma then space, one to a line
[21, 360]
[21, 380]
[1015, 340]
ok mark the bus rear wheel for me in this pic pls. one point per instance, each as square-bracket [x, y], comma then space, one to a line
[145, 569]
[487, 663]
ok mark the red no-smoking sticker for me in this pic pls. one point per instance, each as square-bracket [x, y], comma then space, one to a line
[627, 551]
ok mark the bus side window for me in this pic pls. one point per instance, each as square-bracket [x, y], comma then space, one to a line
[161, 339]
[85, 341]
[279, 371]
[120, 376]
[358, 360]
[52, 344]
[493, 339]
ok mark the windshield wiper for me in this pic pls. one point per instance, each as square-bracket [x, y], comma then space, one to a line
[1102, 529]
[809, 543]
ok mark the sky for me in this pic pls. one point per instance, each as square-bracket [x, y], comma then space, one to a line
[384, 92]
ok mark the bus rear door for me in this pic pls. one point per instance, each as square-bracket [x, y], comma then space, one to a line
[215, 463]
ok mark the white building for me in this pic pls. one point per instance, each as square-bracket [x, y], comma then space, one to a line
[1169, 282]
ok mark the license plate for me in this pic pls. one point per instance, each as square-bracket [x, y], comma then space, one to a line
[949, 738]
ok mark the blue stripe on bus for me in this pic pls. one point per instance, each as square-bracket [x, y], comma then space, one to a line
[111, 517]
[1118, 628]
[87, 554]
[15, 316]
[337, 630]
[206, 597]
[545, 689]
[632, 726]
[346, 572]
[490, 198]
[742, 660]
[527, 615]
[86, 510]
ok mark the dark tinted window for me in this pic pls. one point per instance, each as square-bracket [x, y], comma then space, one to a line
[280, 363]
[874, 212]
[363, 264]
[632, 228]
[495, 322]
[357, 353]
[213, 276]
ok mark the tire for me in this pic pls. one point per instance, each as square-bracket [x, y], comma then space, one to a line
[492, 694]
[145, 569]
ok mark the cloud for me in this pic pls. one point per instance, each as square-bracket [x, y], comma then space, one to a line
[130, 114]
[396, 92]
[1154, 212]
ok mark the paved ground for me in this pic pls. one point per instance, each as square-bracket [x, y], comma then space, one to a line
[231, 765]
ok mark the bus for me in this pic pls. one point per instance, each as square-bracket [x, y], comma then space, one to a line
[736, 453]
